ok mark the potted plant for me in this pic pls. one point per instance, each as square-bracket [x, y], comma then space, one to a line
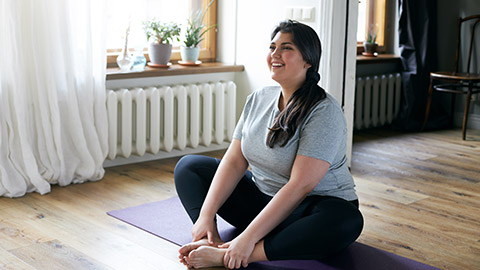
[194, 35]
[370, 45]
[160, 35]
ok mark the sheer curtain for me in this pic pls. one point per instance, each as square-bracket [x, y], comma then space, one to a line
[52, 94]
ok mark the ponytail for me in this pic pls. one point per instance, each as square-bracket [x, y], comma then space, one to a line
[302, 101]
[298, 107]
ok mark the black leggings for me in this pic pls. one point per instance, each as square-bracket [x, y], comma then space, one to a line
[319, 227]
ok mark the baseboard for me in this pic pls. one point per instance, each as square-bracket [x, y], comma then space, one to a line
[473, 121]
[161, 155]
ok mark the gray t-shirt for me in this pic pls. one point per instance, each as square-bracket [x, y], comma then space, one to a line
[321, 135]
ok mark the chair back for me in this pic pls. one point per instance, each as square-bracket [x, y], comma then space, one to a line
[472, 21]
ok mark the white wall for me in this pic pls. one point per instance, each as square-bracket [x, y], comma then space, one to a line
[244, 29]
[244, 37]
[244, 33]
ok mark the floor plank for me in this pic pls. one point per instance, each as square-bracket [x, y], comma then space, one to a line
[55, 255]
[441, 227]
[419, 193]
[388, 192]
[9, 261]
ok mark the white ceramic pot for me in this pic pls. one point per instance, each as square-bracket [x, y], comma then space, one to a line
[189, 55]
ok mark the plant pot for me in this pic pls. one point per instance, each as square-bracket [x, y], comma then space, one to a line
[370, 48]
[160, 53]
[188, 54]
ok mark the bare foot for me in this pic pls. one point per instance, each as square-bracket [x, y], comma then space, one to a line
[206, 256]
[186, 249]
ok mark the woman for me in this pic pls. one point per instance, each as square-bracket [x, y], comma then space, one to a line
[298, 201]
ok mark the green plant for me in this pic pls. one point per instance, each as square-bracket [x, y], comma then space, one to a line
[195, 29]
[161, 32]
[371, 35]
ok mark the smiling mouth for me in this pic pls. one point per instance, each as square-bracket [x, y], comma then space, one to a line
[276, 65]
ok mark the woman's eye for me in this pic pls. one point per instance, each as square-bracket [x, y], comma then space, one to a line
[283, 48]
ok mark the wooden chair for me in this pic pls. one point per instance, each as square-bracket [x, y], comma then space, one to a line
[458, 82]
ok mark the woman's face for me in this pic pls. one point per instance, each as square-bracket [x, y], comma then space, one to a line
[285, 61]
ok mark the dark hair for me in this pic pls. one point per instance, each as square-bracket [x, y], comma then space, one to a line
[302, 100]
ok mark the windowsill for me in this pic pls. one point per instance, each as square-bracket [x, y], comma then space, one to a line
[173, 70]
[379, 58]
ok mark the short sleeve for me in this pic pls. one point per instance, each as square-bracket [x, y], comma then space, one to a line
[323, 132]
[237, 134]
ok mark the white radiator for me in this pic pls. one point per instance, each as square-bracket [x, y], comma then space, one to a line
[377, 100]
[163, 118]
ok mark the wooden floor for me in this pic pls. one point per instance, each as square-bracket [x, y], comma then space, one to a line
[419, 193]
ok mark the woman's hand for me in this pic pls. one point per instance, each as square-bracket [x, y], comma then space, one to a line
[238, 252]
[230, 171]
[205, 228]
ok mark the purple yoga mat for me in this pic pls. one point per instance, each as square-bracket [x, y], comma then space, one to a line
[168, 220]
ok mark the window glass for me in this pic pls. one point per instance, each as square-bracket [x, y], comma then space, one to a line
[362, 7]
[371, 19]
[122, 13]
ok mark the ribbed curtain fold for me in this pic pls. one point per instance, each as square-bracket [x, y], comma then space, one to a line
[53, 123]
[418, 52]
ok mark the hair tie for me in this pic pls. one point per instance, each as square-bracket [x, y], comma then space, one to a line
[313, 76]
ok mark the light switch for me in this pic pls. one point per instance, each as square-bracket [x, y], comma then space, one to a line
[300, 13]
[307, 14]
[297, 13]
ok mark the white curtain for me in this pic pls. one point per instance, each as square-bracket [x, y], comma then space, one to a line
[52, 94]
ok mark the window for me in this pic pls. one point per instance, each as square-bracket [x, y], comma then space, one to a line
[122, 13]
[372, 17]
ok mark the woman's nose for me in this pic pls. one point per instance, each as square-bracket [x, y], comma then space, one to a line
[275, 53]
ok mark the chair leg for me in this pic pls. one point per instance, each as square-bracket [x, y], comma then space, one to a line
[465, 113]
[429, 102]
